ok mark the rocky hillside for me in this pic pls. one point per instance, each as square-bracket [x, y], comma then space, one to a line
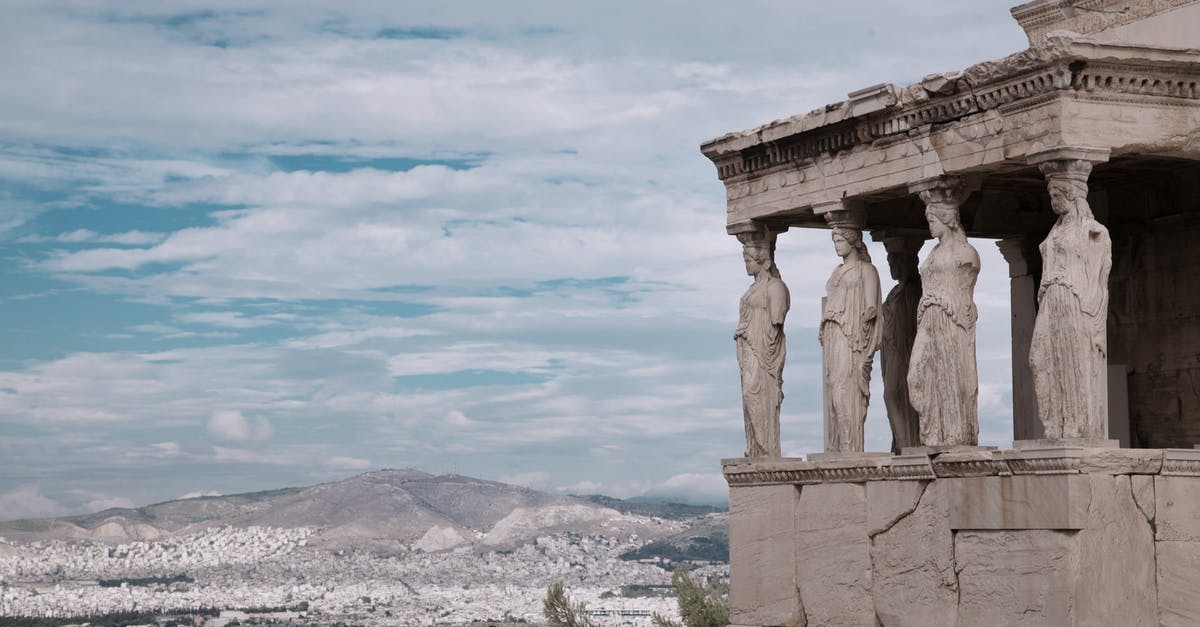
[384, 511]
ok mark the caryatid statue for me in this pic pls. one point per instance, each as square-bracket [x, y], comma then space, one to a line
[761, 348]
[849, 334]
[943, 382]
[899, 331]
[1068, 353]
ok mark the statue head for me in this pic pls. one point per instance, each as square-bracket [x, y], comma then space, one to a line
[943, 219]
[849, 242]
[1067, 194]
[901, 254]
[758, 258]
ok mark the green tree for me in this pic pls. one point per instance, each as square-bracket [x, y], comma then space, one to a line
[701, 603]
[560, 611]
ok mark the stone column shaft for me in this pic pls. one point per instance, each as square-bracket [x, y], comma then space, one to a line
[1022, 258]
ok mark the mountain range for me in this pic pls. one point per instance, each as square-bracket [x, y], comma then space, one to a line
[382, 511]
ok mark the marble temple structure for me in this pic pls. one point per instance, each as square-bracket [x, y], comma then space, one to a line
[1080, 158]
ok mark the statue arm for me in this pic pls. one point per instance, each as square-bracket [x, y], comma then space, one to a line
[778, 302]
[872, 328]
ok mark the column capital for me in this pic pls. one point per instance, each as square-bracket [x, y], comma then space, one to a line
[753, 227]
[943, 190]
[1068, 162]
[1090, 154]
[1016, 252]
[900, 241]
[848, 213]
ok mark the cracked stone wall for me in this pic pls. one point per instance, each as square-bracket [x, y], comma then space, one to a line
[1090, 548]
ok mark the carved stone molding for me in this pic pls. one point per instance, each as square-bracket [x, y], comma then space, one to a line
[1181, 462]
[926, 467]
[973, 464]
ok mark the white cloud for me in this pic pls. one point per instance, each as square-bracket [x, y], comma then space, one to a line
[231, 426]
[197, 494]
[348, 463]
[79, 236]
[457, 419]
[28, 502]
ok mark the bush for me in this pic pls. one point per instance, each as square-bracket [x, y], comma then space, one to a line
[701, 603]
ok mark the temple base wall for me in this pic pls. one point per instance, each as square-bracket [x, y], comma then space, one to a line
[1063, 536]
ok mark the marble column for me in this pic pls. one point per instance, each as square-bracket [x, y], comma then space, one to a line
[1068, 353]
[899, 331]
[943, 380]
[1023, 266]
[761, 345]
[850, 330]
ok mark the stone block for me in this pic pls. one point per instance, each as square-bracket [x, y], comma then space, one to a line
[1015, 577]
[889, 501]
[1121, 461]
[913, 580]
[762, 522]
[833, 555]
[1178, 595]
[1019, 502]
[1177, 508]
[1116, 558]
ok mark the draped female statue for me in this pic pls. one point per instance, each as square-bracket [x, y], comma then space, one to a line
[1068, 353]
[761, 348]
[943, 383]
[899, 331]
[849, 334]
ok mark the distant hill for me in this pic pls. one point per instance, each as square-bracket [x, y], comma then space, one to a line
[662, 509]
[387, 510]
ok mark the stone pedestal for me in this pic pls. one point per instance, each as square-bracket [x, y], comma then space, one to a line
[1073, 535]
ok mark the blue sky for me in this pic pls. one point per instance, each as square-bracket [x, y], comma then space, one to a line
[283, 244]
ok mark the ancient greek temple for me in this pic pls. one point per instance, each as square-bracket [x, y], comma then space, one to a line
[1079, 158]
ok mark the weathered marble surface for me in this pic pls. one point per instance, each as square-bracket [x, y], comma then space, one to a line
[1015, 578]
[761, 346]
[916, 587]
[1116, 579]
[849, 334]
[1118, 545]
[762, 576]
[833, 555]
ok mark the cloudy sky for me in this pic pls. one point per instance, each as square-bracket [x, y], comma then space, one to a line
[284, 243]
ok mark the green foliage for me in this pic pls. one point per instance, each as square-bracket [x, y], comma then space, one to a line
[701, 603]
[560, 611]
[713, 548]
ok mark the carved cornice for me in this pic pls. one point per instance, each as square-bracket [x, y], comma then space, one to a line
[1056, 67]
[1086, 16]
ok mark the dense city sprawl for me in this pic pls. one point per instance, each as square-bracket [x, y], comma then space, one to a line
[233, 570]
